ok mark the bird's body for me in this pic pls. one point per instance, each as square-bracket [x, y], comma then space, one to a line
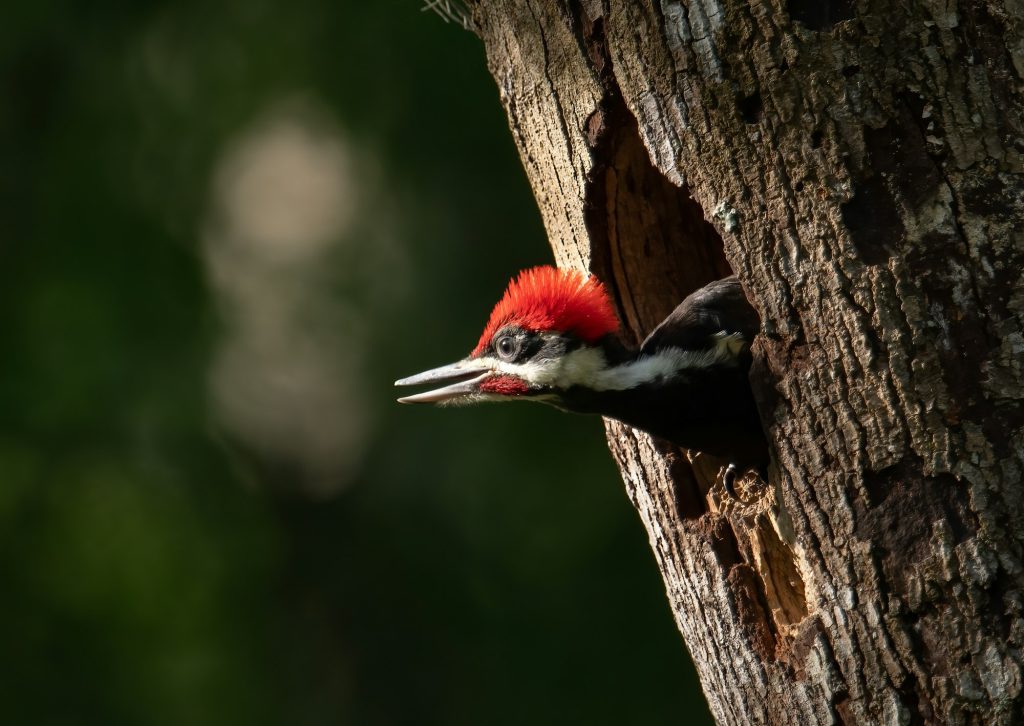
[552, 339]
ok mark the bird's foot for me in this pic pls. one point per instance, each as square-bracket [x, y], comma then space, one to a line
[730, 475]
[729, 480]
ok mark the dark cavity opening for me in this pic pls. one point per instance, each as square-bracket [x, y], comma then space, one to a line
[750, 108]
[647, 233]
[820, 14]
[652, 246]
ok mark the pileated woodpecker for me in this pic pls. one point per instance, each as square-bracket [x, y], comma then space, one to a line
[551, 338]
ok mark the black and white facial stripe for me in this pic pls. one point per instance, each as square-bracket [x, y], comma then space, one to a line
[516, 345]
[552, 361]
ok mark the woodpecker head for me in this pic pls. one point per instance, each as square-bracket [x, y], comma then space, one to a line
[543, 337]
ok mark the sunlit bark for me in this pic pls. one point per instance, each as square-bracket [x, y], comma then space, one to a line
[858, 165]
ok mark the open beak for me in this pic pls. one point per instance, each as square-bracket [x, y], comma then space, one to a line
[463, 379]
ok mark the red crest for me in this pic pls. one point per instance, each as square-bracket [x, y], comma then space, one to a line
[549, 299]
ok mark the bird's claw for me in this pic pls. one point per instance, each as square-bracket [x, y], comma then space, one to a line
[729, 480]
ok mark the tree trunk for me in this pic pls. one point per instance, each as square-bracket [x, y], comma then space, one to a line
[859, 166]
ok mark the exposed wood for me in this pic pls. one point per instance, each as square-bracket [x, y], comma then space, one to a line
[859, 166]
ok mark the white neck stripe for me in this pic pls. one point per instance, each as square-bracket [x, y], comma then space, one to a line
[587, 366]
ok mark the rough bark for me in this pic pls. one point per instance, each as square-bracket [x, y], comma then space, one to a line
[859, 166]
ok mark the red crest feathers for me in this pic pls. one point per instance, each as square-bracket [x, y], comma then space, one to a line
[546, 298]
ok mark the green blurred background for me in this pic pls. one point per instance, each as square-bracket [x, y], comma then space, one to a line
[225, 229]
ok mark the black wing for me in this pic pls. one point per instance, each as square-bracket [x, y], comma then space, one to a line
[716, 307]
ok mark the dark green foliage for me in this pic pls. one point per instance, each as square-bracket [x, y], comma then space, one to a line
[478, 566]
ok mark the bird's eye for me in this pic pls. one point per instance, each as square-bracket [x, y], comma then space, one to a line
[506, 347]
